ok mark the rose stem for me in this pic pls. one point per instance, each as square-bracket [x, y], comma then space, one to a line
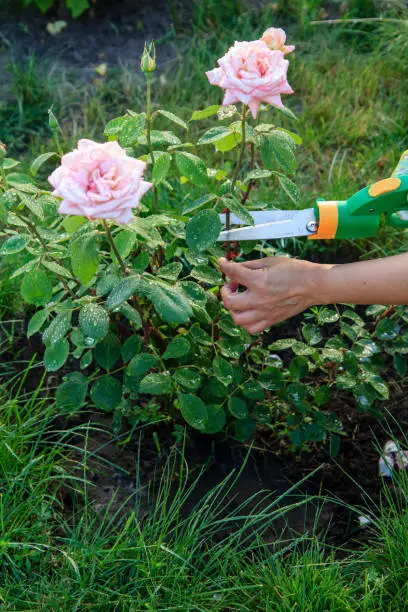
[125, 272]
[236, 172]
[148, 136]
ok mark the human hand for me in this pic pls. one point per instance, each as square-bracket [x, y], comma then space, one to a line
[277, 288]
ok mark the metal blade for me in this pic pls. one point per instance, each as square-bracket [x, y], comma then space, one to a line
[262, 216]
[300, 223]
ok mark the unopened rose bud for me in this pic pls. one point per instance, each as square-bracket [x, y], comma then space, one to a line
[148, 61]
[275, 38]
[52, 120]
[3, 150]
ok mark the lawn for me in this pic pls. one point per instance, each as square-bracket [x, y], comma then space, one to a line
[129, 505]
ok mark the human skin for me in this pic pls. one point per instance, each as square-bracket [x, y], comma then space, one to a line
[278, 288]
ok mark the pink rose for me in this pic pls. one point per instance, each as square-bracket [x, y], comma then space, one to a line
[275, 38]
[99, 181]
[252, 73]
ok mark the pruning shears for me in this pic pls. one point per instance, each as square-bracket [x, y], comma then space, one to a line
[357, 217]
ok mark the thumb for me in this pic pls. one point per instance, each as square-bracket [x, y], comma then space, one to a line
[236, 272]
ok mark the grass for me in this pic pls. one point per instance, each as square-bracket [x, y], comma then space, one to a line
[55, 558]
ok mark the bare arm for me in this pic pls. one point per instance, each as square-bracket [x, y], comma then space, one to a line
[278, 288]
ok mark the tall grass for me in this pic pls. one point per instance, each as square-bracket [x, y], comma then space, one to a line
[214, 557]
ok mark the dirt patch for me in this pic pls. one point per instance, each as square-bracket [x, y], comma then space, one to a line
[113, 32]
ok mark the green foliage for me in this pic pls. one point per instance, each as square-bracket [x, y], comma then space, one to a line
[76, 7]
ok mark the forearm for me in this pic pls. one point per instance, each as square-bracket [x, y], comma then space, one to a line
[380, 281]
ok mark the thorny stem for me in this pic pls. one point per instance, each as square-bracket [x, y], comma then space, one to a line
[236, 172]
[148, 135]
[114, 247]
[126, 273]
[251, 183]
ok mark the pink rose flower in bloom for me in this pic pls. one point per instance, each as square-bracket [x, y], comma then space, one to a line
[252, 73]
[275, 38]
[99, 181]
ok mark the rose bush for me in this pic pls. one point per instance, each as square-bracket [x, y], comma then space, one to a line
[128, 304]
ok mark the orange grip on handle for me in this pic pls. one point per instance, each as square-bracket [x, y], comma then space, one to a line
[328, 220]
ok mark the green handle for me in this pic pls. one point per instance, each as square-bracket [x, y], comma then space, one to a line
[360, 216]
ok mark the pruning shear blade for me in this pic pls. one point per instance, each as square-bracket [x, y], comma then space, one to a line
[272, 224]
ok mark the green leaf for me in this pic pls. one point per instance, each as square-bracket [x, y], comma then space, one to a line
[36, 322]
[36, 288]
[229, 142]
[141, 364]
[206, 274]
[125, 242]
[257, 174]
[311, 333]
[364, 395]
[71, 224]
[238, 408]
[178, 347]
[231, 347]
[106, 283]
[156, 384]
[108, 351]
[39, 161]
[131, 130]
[326, 315]
[189, 378]
[214, 134]
[56, 355]
[77, 7]
[194, 411]
[114, 127]
[132, 315]
[288, 187]
[271, 378]
[387, 329]
[160, 137]
[203, 230]
[400, 364]
[171, 271]
[106, 393]
[169, 303]
[72, 392]
[282, 344]
[379, 385]
[57, 269]
[85, 258]
[14, 244]
[253, 390]
[173, 118]
[201, 201]
[244, 429]
[322, 396]
[58, 328]
[131, 347]
[223, 370]
[205, 113]
[86, 360]
[161, 168]
[216, 419]
[94, 321]
[278, 146]
[240, 211]
[192, 167]
[123, 290]
[141, 262]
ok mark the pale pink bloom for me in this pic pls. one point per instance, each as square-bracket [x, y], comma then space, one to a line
[99, 181]
[275, 38]
[252, 73]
